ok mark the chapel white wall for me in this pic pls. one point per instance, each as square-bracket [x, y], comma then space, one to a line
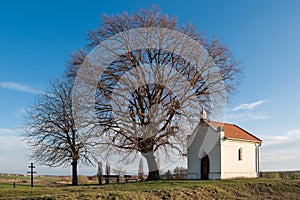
[231, 166]
[199, 146]
[223, 157]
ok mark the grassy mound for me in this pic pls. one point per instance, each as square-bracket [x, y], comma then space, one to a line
[222, 189]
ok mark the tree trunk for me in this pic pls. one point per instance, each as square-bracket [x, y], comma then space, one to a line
[100, 173]
[74, 173]
[153, 173]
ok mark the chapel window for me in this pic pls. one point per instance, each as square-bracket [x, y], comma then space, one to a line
[240, 154]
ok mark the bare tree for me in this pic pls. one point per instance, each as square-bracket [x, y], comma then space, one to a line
[51, 130]
[147, 96]
[168, 175]
[107, 171]
[180, 172]
[141, 169]
[158, 164]
[107, 168]
[100, 173]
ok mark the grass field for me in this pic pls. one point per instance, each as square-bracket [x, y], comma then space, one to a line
[165, 189]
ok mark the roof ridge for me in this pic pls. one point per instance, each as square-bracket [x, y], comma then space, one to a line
[247, 132]
[221, 122]
[237, 126]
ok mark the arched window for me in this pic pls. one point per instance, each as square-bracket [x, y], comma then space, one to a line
[240, 154]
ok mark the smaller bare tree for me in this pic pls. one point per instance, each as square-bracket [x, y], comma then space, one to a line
[54, 134]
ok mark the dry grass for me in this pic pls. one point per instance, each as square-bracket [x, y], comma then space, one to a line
[184, 189]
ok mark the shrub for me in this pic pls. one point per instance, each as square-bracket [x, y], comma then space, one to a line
[82, 179]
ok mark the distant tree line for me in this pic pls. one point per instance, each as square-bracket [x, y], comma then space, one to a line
[281, 174]
[179, 173]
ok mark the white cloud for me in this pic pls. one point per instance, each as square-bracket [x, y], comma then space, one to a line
[246, 116]
[281, 152]
[249, 106]
[20, 113]
[18, 87]
[6, 131]
[13, 154]
[246, 112]
[15, 158]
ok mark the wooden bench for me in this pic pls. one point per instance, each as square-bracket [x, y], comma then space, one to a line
[107, 177]
[129, 177]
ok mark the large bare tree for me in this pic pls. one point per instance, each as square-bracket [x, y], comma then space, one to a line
[146, 97]
[52, 132]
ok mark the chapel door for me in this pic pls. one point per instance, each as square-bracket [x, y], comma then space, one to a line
[204, 168]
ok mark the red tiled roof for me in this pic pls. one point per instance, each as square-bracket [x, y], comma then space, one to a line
[235, 132]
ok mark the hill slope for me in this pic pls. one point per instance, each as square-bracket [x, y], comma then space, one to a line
[225, 189]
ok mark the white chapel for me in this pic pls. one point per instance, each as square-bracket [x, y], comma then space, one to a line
[222, 151]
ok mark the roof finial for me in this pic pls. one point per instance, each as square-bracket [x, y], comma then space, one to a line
[204, 114]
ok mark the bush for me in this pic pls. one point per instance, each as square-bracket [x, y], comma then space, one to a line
[83, 179]
[270, 175]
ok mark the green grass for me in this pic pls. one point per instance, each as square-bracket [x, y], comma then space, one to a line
[175, 189]
[11, 177]
[10, 185]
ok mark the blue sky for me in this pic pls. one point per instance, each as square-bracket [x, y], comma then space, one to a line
[36, 38]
